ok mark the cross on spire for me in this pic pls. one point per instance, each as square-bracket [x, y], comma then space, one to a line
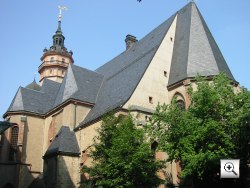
[60, 12]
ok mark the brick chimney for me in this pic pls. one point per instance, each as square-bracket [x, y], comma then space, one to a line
[130, 40]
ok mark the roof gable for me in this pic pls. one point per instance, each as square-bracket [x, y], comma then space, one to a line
[79, 83]
[35, 101]
[65, 143]
[195, 50]
[123, 73]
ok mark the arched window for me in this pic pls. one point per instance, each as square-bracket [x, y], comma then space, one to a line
[13, 143]
[181, 104]
[180, 100]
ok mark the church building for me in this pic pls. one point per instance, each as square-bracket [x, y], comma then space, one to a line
[53, 122]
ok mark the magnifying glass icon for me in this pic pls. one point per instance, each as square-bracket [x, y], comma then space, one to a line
[229, 167]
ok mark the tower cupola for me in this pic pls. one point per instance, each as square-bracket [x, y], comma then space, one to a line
[58, 38]
[56, 59]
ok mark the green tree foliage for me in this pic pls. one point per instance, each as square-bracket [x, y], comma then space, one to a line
[215, 126]
[121, 157]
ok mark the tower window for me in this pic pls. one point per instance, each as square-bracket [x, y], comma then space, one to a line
[63, 60]
[13, 144]
[62, 72]
[150, 100]
[50, 71]
[52, 59]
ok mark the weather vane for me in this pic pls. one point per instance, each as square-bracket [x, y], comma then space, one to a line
[60, 11]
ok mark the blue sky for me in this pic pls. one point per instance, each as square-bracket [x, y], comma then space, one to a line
[95, 32]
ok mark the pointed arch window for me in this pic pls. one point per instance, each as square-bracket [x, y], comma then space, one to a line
[180, 101]
[13, 144]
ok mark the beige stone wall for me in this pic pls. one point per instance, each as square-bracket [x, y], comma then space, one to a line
[85, 136]
[68, 172]
[47, 123]
[71, 115]
[33, 138]
[33, 143]
[30, 143]
[154, 82]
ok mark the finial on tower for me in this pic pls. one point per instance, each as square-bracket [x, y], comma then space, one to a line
[60, 12]
[35, 76]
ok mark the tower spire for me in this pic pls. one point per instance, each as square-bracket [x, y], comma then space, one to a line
[56, 59]
[61, 8]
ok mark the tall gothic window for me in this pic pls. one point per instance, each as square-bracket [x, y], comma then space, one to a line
[13, 144]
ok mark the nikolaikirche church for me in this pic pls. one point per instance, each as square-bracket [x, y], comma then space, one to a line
[53, 122]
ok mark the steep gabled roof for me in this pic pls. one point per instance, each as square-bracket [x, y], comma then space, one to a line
[123, 73]
[65, 143]
[31, 100]
[195, 50]
[79, 83]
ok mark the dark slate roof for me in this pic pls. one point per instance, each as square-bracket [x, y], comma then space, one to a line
[33, 85]
[65, 143]
[79, 83]
[123, 73]
[31, 100]
[195, 50]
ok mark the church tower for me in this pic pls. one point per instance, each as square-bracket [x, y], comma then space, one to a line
[57, 58]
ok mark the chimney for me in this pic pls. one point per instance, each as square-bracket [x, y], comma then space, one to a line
[130, 40]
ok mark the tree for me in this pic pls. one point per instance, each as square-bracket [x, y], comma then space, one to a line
[215, 126]
[121, 157]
